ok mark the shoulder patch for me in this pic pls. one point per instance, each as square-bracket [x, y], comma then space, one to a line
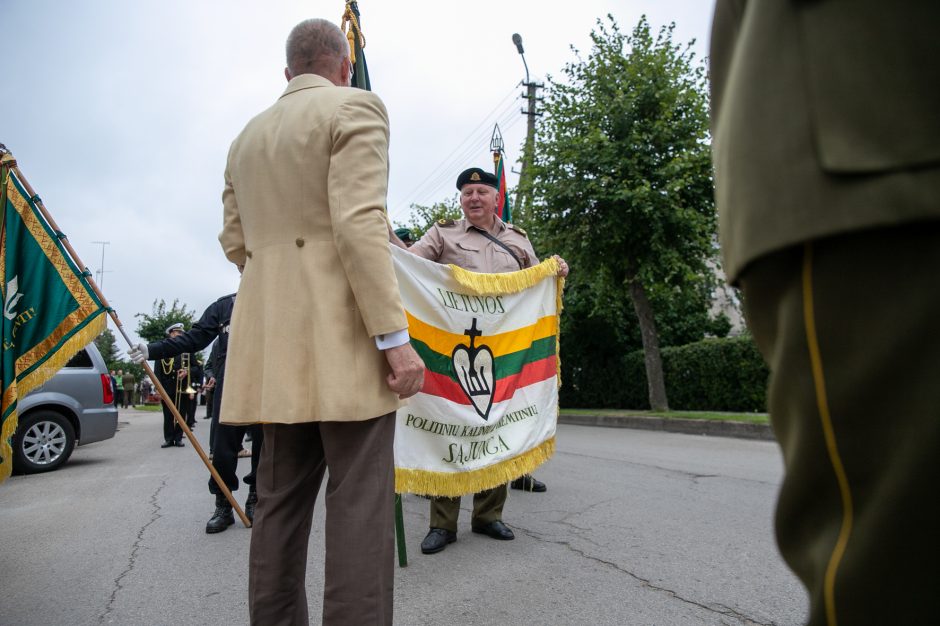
[446, 222]
[518, 230]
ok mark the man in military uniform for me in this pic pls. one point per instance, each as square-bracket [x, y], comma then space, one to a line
[480, 242]
[827, 171]
[168, 371]
[226, 443]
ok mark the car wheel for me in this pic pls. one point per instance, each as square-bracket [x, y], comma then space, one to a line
[43, 442]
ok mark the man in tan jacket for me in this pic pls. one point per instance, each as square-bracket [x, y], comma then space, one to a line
[318, 348]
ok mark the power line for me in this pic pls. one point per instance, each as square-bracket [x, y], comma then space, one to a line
[443, 171]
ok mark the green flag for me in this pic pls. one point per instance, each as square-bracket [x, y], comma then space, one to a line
[357, 42]
[50, 311]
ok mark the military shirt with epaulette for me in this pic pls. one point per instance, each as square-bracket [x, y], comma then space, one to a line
[458, 242]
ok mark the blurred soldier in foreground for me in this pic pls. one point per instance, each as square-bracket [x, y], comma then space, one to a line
[827, 156]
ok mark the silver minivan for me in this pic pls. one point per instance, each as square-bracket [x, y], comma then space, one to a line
[74, 407]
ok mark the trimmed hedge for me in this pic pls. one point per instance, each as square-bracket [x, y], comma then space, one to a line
[725, 374]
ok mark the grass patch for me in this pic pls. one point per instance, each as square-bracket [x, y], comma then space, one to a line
[148, 407]
[753, 418]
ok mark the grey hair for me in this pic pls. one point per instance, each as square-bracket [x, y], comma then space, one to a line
[315, 46]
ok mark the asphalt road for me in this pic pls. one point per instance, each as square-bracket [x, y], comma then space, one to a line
[637, 527]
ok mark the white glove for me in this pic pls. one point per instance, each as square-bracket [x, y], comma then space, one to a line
[138, 354]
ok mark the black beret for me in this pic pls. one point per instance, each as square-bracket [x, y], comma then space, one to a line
[477, 176]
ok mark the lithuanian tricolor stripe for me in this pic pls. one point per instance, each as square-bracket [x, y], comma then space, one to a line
[446, 386]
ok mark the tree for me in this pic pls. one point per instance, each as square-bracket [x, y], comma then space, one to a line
[152, 327]
[107, 346]
[622, 180]
[423, 217]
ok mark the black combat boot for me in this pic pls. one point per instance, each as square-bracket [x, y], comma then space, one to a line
[223, 516]
[250, 502]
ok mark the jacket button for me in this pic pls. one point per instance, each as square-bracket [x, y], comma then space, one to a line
[248, 253]
[300, 242]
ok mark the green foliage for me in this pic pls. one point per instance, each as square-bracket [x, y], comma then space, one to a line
[423, 217]
[725, 374]
[152, 327]
[622, 188]
[107, 346]
[623, 179]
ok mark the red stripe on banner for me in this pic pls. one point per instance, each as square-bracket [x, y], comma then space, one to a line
[445, 387]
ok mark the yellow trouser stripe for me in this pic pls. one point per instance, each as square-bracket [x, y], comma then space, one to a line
[830, 436]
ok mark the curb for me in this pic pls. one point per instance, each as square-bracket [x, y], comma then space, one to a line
[713, 428]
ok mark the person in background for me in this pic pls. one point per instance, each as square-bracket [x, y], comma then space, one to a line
[481, 242]
[129, 384]
[225, 441]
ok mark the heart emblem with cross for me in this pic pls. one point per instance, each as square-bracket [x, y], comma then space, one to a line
[473, 366]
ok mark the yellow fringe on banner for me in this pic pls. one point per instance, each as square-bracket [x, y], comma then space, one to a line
[36, 378]
[451, 485]
[508, 282]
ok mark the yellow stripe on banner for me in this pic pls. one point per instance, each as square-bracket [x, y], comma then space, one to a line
[452, 485]
[443, 342]
[815, 356]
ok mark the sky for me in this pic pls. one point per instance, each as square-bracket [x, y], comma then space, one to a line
[120, 114]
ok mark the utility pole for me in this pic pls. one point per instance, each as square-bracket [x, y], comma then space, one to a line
[528, 151]
[100, 271]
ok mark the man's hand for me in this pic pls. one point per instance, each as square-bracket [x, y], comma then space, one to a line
[407, 375]
[210, 384]
[138, 354]
[562, 266]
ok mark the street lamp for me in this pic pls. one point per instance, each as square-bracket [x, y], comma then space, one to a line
[517, 39]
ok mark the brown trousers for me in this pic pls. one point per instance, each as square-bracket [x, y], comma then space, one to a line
[848, 326]
[360, 491]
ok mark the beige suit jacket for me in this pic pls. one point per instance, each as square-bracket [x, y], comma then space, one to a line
[304, 211]
[826, 120]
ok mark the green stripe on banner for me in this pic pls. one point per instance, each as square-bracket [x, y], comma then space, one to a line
[506, 365]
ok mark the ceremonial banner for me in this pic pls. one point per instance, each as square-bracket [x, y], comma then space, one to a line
[489, 405]
[49, 310]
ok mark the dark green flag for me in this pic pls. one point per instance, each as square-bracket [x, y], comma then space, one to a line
[357, 42]
[50, 311]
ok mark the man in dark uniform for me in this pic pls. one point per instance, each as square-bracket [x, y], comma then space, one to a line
[483, 243]
[227, 441]
[169, 371]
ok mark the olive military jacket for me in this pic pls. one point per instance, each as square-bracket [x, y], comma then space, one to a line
[824, 118]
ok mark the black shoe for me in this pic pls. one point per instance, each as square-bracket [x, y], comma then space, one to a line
[250, 502]
[496, 530]
[528, 482]
[179, 444]
[223, 516]
[436, 540]
[166, 444]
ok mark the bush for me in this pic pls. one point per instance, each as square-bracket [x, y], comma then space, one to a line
[725, 374]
